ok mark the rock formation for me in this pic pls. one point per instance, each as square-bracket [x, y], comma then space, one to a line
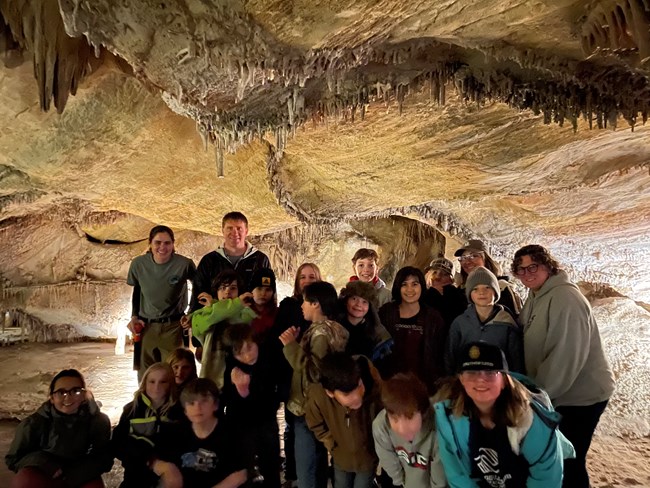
[327, 123]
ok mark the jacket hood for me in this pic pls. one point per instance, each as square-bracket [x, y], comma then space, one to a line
[555, 281]
[250, 250]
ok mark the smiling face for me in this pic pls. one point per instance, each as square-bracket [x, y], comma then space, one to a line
[307, 275]
[472, 259]
[483, 387]
[482, 295]
[234, 234]
[162, 247]
[406, 428]
[67, 395]
[357, 308]
[411, 290]
[158, 387]
[535, 280]
[366, 269]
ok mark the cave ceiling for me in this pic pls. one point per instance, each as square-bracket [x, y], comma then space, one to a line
[515, 121]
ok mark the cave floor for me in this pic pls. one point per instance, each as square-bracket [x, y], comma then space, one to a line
[25, 371]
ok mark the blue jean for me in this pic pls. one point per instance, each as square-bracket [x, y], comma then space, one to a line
[351, 479]
[311, 457]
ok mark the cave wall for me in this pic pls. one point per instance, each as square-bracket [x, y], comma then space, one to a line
[63, 271]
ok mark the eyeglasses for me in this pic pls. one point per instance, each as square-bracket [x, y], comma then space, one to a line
[61, 393]
[531, 269]
[470, 257]
[486, 375]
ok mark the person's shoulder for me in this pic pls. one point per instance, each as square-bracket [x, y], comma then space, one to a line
[388, 308]
[39, 417]
[430, 313]
[504, 316]
[179, 258]
[380, 423]
[142, 259]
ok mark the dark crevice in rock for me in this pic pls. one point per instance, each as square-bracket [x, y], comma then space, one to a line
[113, 242]
[20, 198]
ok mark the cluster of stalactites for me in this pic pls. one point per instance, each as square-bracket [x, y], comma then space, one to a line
[598, 100]
[619, 27]
[60, 62]
[227, 131]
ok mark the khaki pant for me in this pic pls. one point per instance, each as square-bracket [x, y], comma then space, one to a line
[158, 341]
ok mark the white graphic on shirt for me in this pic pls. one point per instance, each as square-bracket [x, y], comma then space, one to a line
[414, 459]
[488, 462]
[201, 460]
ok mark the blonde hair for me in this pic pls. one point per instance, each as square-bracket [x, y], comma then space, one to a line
[509, 409]
[297, 292]
[141, 391]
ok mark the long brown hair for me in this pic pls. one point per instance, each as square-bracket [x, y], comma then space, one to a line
[509, 408]
[297, 292]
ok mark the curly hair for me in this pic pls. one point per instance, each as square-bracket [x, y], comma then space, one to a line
[538, 254]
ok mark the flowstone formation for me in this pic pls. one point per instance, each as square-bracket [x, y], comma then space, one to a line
[410, 127]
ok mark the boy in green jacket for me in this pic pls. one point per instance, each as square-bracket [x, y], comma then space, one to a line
[210, 322]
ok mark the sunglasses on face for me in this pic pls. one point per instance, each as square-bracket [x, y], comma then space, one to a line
[62, 393]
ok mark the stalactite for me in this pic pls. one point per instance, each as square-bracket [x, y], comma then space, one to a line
[60, 62]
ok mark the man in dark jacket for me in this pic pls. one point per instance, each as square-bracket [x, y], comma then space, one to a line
[235, 253]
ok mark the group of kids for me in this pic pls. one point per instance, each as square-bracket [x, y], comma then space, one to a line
[418, 386]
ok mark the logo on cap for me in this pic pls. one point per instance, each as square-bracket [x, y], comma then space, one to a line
[474, 352]
[266, 281]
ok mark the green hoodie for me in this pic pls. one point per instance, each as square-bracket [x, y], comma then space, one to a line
[208, 325]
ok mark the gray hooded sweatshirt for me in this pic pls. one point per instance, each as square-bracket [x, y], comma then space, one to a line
[414, 464]
[562, 348]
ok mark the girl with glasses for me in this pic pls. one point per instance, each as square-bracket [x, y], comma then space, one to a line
[492, 432]
[66, 442]
[563, 352]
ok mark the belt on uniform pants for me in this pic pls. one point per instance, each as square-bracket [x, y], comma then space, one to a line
[163, 320]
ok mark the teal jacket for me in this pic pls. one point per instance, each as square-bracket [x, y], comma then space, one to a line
[537, 439]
